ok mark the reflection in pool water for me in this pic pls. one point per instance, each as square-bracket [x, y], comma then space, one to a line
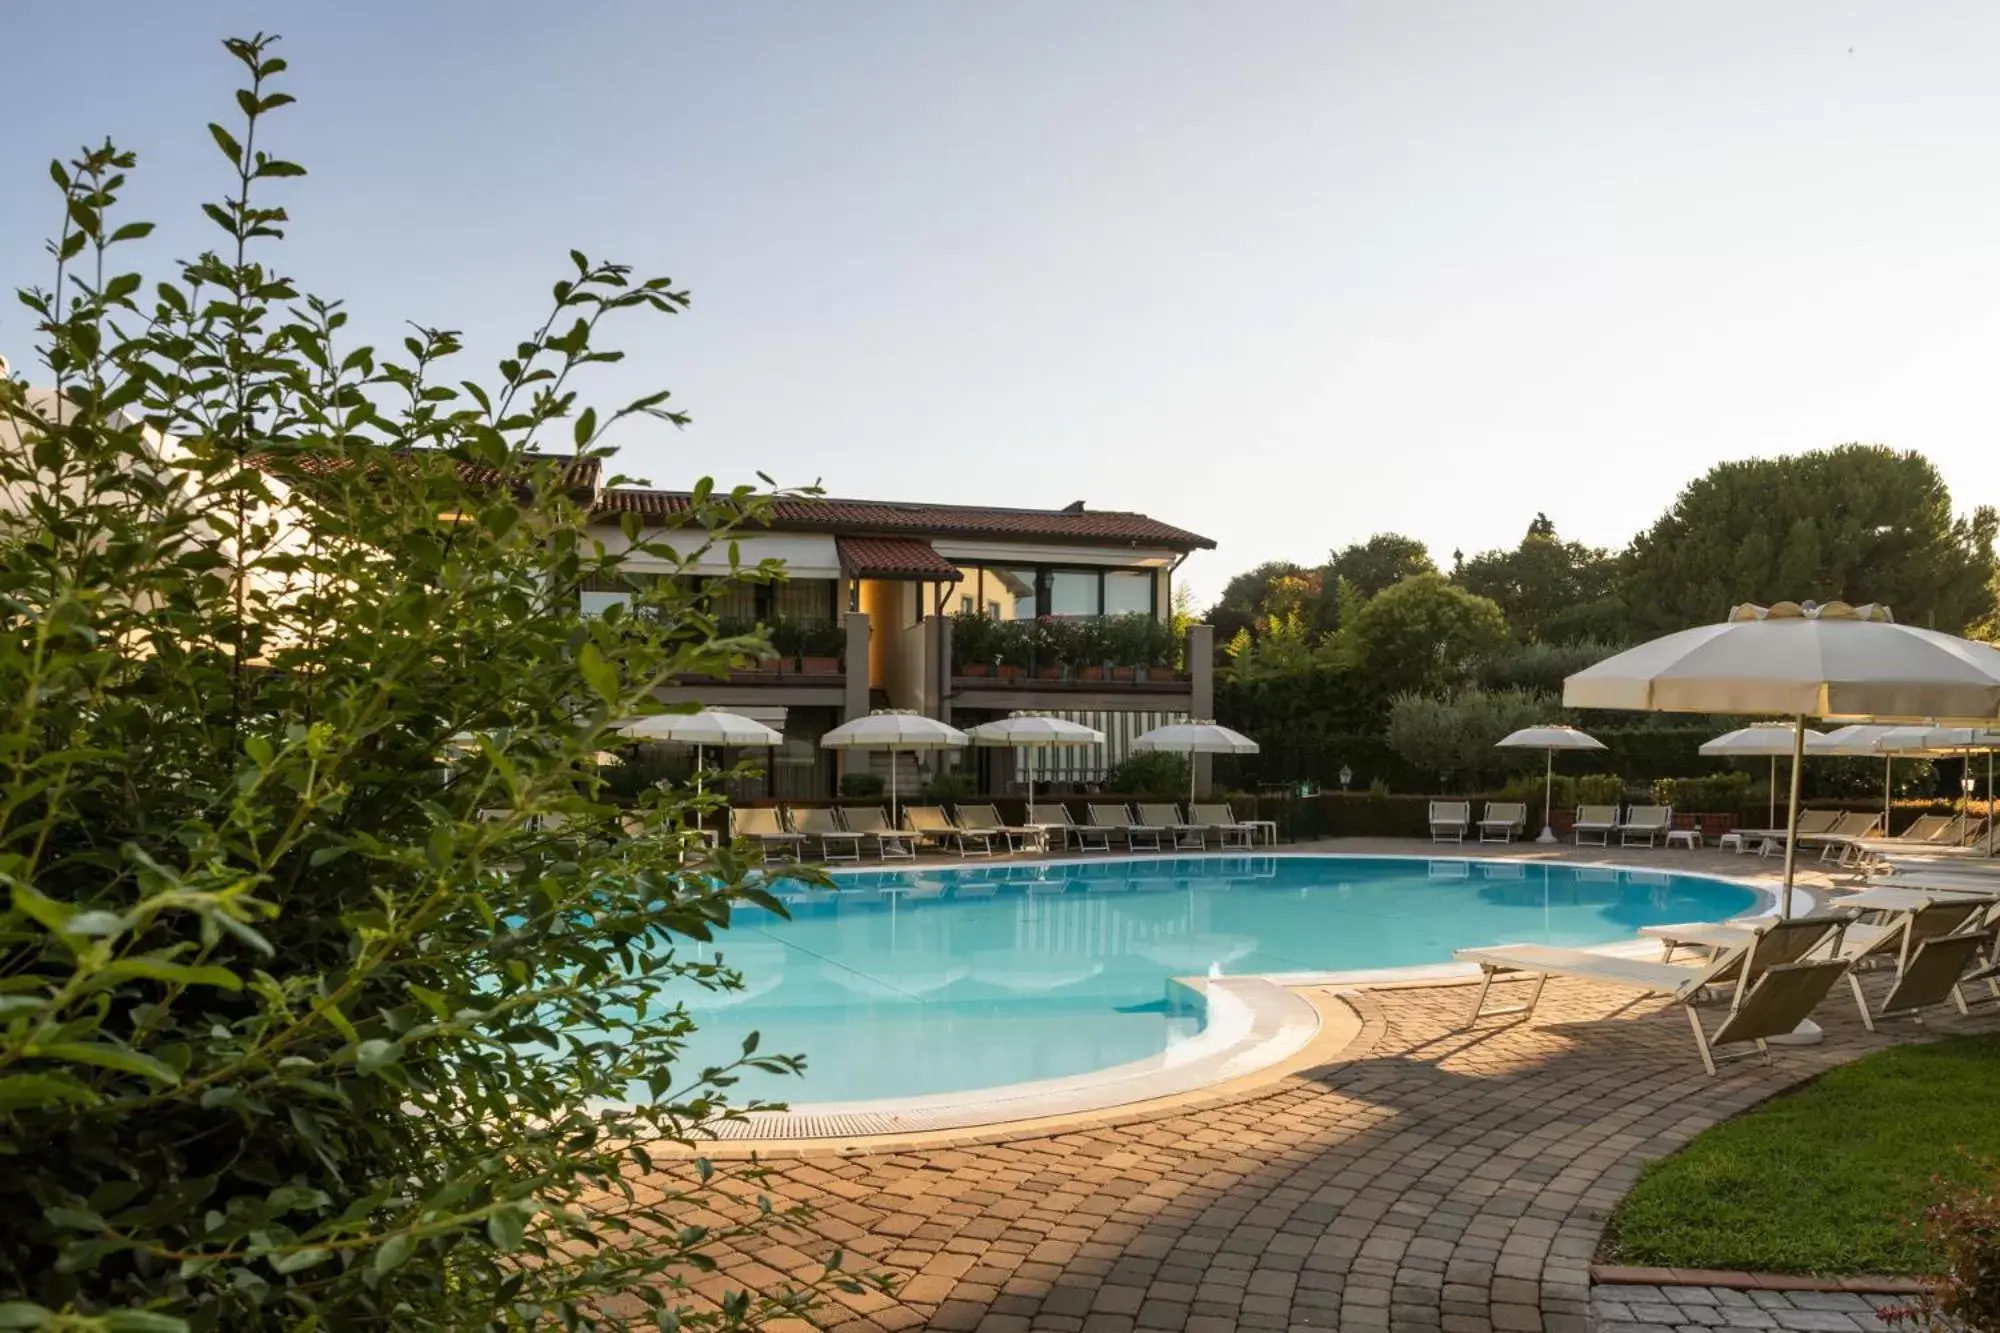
[946, 979]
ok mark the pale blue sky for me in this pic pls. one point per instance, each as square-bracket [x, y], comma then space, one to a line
[1285, 273]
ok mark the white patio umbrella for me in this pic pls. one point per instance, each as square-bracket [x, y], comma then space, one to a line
[1763, 738]
[1969, 741]
[894, 729]
[711, 726]
[1032, 732]
[1193, 738]
[1799, 661]
[1872, 738]
[1550, 738]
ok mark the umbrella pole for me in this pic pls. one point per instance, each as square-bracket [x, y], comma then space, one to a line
[1771, 814]
[895, 812]
[700, 815]
[1548, 797]
[1888, 796]
[1191, 784]
[1989, 803]
[1792, 813]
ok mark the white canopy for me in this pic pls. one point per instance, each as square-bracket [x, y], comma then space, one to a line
[1548, 738]
[1764, 738]
[1196, 738]
[1033, 731]
[1800, 661]
[894, 729]
[1193, 738]
[711, 726]
[1864, 738]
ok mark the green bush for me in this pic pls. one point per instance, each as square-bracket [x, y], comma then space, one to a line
[292, 1033]
[861, 786]
[1149, 773]
[951, 785]
[975, 638]
[1600, 789]
[1455, 737]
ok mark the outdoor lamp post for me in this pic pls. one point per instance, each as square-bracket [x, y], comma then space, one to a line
[1346, 776]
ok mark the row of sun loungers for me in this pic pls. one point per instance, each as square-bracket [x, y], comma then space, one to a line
[1939, 943]
[1503, 821]
[978, 830]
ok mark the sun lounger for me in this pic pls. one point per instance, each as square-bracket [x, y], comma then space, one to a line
[1449, 820]
[764, 825]
[1597, 822]
[1056, 817]
[931, 824]
[1167, 819]
[986, 818]
[1925, 831]
[1777, 981]
[891, 843]
[1118, 819]
[1847, 830]
[1503, 821]
[1651, 822]
[1227, 827]
[823, 826]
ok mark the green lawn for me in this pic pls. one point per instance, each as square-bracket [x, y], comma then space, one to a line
[1825, 1179]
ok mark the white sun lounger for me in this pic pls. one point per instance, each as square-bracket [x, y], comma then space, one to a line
[1773, 989]
[1118, 819]
[764, 826]
[1651, 822]
[1228, 828]
[1449, 820]
[1597, 822]
[1167, 819]
[823, 826]
[1503, 821]
[1056, 817]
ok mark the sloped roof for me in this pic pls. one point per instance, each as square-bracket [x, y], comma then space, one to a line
[1094, 527]
[893, 558]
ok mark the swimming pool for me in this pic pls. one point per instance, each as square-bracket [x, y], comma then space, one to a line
[950, 979]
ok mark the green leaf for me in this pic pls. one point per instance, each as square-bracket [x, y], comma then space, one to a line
[389, 1256]
[598, 673]
[96, 924]
[132, 231]
[227, 143]
[373, 1054]
[505, 1228]
[20, 1314]
[586, 426]
[120, 1058]
[19, 1090]
[153, 969]
[47, 911]
[298, 1259]
[143, 1321]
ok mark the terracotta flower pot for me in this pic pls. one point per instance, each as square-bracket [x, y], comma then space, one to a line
[1124, 673]
[1011, 672]
[974, 669]
[819, 666]
[1159, 673]
[1090, 673]
[1048, 673]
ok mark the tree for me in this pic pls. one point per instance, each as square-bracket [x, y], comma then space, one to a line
[1424, 634]
[1859, 523]
[1382, 561]
[1550, 590]
[312, 1017]
[1458, 735]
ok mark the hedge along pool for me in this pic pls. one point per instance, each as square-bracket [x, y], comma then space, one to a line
[951, 979]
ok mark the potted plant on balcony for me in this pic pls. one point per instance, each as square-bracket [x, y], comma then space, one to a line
[975, 643]
[785, 643]
[1091, 647]
[1054, 647]
[820, 644]
[1012, 647]
[765, 661]
[1125, 643]
[1159, 650]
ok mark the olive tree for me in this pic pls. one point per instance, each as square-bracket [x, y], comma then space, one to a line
[335, 992]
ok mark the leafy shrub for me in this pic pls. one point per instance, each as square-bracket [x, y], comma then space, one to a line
[1964, 1225]
[974, 638]
[1378, 789]
[951, 785]
[1149, 773]
[302, 1026]
[1457, 736]
[1600, 789]
[861, 786]
[1542, 666]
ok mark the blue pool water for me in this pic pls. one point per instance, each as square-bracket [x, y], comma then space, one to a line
[933, 980]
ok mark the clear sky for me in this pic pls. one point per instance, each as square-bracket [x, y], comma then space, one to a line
[1284, 273]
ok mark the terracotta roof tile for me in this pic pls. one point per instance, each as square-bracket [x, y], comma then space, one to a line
[1096, 527]
[893, 558]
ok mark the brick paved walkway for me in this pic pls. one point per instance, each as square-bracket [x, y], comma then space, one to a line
[1426, 1180]
[1618, 1309]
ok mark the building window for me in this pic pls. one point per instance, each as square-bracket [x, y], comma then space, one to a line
[1075, 592]
[1013, 591]
[1128, 591]
[803, 599]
